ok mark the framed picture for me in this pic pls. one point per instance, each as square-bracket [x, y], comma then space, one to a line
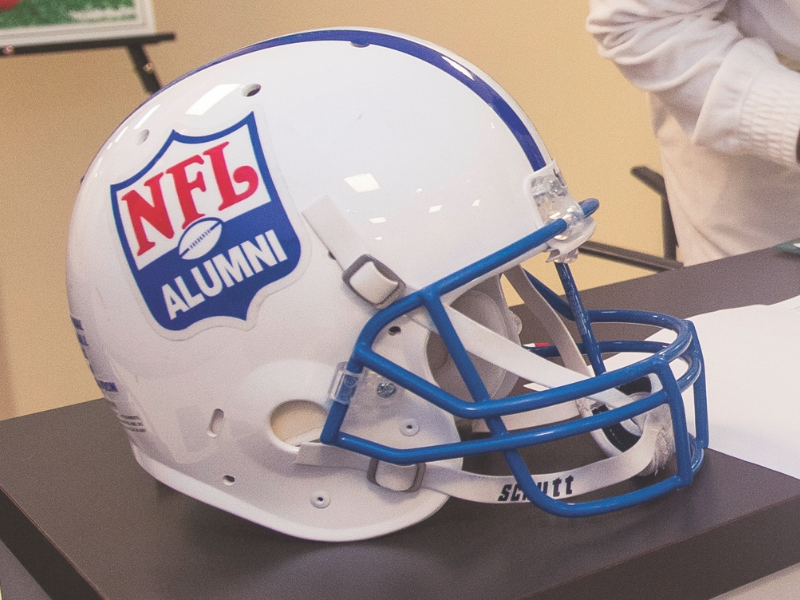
[34, 22]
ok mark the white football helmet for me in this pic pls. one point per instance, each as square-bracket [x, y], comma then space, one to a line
[284, 271]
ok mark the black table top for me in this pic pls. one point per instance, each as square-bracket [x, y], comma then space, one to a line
[87, 522]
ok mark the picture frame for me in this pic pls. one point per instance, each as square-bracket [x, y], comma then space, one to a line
[40, 22]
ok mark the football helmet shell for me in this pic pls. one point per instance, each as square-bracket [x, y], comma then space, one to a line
[284, 271]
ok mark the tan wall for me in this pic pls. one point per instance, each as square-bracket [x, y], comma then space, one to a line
[58, 109]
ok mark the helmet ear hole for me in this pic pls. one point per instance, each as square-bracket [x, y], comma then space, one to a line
[297, 421]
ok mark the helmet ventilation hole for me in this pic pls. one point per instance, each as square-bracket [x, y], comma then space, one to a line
[229, 479]
[320, 499]
[394, 330]
[215, 423]
[409, 427]
[356, 44]
[142, 137]
[251, 90]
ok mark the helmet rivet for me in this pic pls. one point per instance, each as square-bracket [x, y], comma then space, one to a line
[320, 499]
[409, 427]
[386, 389]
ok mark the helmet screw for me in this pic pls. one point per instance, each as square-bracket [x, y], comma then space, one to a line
[386, 389]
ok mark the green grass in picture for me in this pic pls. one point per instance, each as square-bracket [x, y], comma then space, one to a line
[33, 13]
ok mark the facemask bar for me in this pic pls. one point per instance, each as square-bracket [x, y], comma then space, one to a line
[689, 451]
[577, 313]
[574, 311]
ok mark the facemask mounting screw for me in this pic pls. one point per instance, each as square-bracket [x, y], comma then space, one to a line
[386, 389]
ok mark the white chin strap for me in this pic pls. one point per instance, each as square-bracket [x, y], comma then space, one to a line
[490, 489]
[648, 455]
[552, 375]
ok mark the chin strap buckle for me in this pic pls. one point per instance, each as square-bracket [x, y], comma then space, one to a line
[368, 277]
[373, 281]
[398, 478]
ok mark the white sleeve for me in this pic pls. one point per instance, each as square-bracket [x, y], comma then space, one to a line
[726, 90]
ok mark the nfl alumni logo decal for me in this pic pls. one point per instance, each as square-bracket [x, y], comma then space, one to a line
[203, 227]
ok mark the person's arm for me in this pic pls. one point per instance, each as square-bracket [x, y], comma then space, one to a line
[726, 90]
